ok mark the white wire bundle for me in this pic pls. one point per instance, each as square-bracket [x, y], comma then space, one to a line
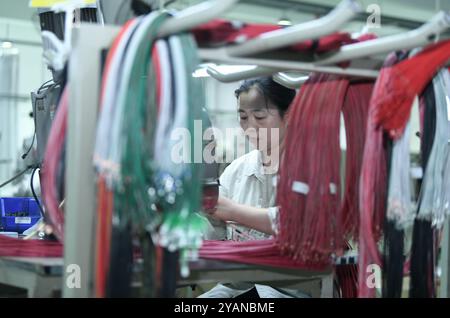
[430, 197]
[445, 192]
[135, 144]
[176, 177]
[108, 114]
[172, 172]
[116, 151]
[166, 109]
[400, 208]
[173, 112]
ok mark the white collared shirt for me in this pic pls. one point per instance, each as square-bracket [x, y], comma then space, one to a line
[246, 181]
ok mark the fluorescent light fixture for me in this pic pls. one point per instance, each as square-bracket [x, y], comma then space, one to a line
[284, 22]
[7, 45]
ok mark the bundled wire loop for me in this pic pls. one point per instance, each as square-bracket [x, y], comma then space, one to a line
[314, 223]
[147, 179]
[386, 191]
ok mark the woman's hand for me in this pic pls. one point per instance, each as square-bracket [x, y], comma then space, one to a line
[223, 210]
[252, 217]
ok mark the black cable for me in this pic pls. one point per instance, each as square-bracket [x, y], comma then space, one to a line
[149, 266]
[422, 282]
[139, 7]
[120, 274]
[31, 146]
[60, 173]
[169, 274]
[15, 177]
[45, 84]
[393, 256]
[41, 210]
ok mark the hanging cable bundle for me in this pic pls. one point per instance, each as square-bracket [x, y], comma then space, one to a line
[128, 118]
[177, 188]
[142, 185]
[131, 129]
[399, 84]
[105, 195]
[309, 187]
[355, 111]
[390, 110]
[431, 214]
[444, 211]
[313, 222]
[432, 207]
[52, 157]
[422, 249]
[372, 188]
[400, 211]
[400, 208]
[109, 94]
[123, 161]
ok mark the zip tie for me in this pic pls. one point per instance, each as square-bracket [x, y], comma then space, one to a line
[300, 187]
[333, 188]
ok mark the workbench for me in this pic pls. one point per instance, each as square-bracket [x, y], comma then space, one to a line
[43, 277]
[40, 277]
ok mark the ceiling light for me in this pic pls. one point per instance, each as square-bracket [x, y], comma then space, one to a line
[7, 45]
[284, 22]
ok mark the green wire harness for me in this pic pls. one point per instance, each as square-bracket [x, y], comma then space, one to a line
[153, 192]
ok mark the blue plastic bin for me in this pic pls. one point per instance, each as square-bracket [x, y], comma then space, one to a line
[18, 214]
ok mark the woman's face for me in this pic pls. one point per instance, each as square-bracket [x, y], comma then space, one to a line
[260, 120]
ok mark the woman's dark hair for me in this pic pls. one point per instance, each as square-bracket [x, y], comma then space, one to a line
[279, 95]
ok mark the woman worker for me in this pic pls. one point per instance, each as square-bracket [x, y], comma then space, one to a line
[247, 186]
